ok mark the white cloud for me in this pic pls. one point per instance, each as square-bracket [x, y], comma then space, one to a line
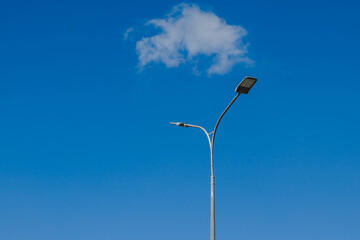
[188, 32]
[127, 32]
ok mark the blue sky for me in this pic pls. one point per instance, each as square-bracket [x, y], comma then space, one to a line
[87, 152]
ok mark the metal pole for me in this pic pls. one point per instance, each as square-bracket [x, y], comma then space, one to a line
[212, 177]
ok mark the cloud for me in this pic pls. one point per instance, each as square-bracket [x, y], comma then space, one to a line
[189, 32]
[127, 32]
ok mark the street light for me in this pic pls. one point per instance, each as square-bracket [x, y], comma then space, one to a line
[244, 87]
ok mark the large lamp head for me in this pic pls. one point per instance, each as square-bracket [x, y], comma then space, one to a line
[245, 85]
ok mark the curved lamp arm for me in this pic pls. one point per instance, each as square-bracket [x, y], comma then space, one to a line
[221, 116]
[194, 126]
[207, 134]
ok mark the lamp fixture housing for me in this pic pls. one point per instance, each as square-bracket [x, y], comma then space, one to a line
[245, 85]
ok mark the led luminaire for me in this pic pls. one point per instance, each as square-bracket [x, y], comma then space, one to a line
[245, 85]
[180, 124]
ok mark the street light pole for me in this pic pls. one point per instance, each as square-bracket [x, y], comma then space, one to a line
[212, 180]
[243, 87]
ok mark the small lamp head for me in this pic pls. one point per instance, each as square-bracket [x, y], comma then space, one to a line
[180, 124]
